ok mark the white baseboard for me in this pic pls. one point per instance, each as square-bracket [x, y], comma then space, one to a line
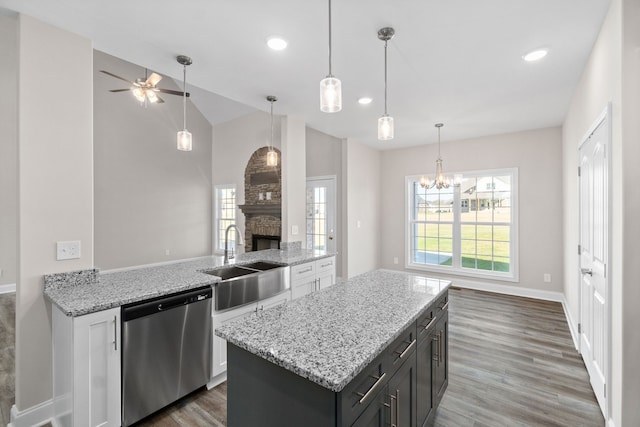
[573, 326]
[218, 379]
[510, 290]
[35, 416]
[7, 289]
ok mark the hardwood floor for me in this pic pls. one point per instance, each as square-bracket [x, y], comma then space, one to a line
[511, 363]
[7, 355]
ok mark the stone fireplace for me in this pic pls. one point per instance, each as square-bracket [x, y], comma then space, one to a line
[263, 202]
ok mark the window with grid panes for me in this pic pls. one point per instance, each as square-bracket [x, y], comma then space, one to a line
[468, 229]
[225, 214]
[316, 218]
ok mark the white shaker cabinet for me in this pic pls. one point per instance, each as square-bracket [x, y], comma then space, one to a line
[312, 276]
[86, 374]
[220, 345]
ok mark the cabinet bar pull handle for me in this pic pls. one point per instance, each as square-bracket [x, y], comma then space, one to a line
[439, 347]
[326, 265]
[406, 350]
[397, 407]
[433, 319]
[373, 387]
[391, 417]
[444, 306]
[305, 271]
[115, 333]
[436, 357]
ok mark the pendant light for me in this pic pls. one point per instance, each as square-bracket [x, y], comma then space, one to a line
[441, 181]
[184, 136]
[330, 87]
[272, 154]
[385, 123]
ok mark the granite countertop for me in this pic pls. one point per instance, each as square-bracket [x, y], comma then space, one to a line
[330, 336]
[82, 292]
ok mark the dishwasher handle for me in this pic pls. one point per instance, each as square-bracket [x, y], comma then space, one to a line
[165, 303]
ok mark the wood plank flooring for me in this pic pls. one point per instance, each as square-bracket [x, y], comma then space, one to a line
[7, 355]
[511, 363]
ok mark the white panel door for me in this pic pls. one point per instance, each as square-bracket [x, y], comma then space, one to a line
[321, 213]
[594, 218]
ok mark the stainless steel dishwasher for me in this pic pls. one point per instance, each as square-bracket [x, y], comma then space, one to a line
[166, 351]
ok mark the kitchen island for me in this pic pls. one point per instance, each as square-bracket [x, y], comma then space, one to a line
[365, 352]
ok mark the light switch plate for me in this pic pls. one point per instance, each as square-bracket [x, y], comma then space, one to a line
[68, 250]
[294, 230]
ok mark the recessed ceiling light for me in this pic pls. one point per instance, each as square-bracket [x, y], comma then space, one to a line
[365, 100]
[536, 55]
[276, 43]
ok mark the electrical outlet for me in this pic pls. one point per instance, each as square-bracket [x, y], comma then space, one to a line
[68, 250]
[547, 278]
[167, 252]
[294, 230]
[395, 259]
[268, 195]
[261, 196]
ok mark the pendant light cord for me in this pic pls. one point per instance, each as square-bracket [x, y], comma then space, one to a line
[271, 140]
[385, 77]
[330, 75]
[184, 97]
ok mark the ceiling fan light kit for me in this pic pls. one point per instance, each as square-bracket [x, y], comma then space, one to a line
[185, 140]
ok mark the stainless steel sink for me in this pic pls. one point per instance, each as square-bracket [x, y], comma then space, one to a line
[247, 283]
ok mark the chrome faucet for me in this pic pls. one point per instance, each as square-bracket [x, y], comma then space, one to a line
[226, 242]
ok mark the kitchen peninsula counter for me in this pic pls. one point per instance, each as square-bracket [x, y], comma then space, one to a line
[82, 292]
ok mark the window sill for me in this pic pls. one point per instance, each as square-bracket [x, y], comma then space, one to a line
[506, 277]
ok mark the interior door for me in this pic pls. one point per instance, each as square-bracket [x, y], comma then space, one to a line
[321, 213]
[594, 238]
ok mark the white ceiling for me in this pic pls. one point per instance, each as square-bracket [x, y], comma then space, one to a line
[456, 61]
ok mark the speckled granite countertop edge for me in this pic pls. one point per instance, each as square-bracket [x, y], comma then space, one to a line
[81, 292]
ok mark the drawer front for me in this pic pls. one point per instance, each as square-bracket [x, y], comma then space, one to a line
[325, 264]
[400, 349]
[302, 271]
[362, 390]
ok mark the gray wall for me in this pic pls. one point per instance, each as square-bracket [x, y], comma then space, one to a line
[538, 156]
[8, 147]
[150, 198]
[324, 158]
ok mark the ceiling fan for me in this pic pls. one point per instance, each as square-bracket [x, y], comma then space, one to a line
[145, 88]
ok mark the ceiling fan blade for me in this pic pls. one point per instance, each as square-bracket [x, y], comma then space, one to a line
[154, 79]
[119, 90]
[171, 92]
[117, 77]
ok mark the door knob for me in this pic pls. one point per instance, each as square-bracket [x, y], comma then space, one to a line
[587, 271]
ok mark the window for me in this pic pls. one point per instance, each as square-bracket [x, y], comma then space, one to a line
[469, 229]
[225, 215]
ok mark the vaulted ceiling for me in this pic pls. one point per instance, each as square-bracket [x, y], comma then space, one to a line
[455, 61]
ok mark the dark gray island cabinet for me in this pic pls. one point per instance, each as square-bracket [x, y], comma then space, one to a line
[301, 367]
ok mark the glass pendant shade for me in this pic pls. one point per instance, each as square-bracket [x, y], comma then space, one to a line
[272, 158]
[385, 128]
[330, 95]
[424, 182]
[184, 140]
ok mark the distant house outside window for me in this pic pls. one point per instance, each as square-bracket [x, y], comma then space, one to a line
[469, 229]
[225, 215]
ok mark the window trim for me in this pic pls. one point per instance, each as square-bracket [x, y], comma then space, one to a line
[512, 276]
[216, 205]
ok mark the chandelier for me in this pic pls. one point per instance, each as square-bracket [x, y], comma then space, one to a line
[441, 181]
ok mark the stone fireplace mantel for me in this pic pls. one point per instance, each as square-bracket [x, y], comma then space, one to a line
[272, 209]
